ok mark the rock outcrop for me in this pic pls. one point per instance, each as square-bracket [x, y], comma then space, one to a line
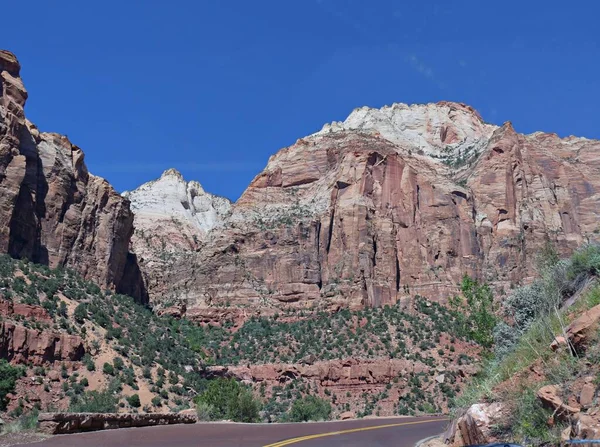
[52, 210]
[392, 202]
[584, 328]
[476, 425]
[350, 380]
[172, 218]
[20, 344]
[346, 373]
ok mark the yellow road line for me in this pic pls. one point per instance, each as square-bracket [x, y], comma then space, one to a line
[343, 432]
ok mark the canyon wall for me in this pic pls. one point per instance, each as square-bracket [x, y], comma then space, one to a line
[390, 203]
[52, 210]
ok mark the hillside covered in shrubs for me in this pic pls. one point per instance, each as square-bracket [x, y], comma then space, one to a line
[540, 382]
[105, 352]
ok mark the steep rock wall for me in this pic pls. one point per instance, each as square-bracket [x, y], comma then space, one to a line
[52, 211]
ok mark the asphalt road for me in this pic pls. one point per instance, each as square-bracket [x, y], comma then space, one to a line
[397, 432]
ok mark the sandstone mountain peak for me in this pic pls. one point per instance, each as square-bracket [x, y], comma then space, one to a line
[444, 131]
[172, 197]
[172, 172]
[388, 202]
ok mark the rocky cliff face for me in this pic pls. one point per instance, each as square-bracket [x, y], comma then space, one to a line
[52, 211]
[389, 203]
[172, 220]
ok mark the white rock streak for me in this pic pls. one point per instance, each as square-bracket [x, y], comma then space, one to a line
[171, 197]
[439, 130]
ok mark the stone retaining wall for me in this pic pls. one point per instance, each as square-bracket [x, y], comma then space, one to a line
[63, 423]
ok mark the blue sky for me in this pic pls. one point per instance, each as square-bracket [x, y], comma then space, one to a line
[214, 88]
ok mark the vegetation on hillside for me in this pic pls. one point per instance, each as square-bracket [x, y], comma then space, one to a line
[8, 378]
[164, 353]
[133, 349]
[227, 399]
[390, 332]
[538, 314]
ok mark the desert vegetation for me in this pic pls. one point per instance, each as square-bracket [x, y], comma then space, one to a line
[534, 315]
[131, 352]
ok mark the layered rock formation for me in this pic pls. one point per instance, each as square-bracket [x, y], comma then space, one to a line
[389, 203]
[25, 345]
[172, 220]
[36, 347]
[352, 379]
[65, 423]
[52, 211]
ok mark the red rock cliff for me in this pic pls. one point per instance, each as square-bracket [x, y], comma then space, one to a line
[52, 211]
[391, 203]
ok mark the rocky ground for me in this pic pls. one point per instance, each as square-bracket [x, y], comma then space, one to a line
[544, 389]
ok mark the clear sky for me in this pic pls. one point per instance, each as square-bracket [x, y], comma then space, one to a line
[213, 88]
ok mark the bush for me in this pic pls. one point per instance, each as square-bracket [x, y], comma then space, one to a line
[118, 363]
[134, 401]
[80, 313]
[107, 368]
[229, 400]
[204, 411]
[528, 303]
[585, 262]
[310, 408]
[476, 313]
[8, 379]
[27, 421]
[94, 402]
[505, 339]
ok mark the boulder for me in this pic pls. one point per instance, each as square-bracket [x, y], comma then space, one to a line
[585, 426]
[588, 392]
[558, 342]
[581, 330]
[347, 415]
[550, 397]
[53, 375]
[476, 425]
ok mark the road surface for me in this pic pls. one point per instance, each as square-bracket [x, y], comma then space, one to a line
[397, 432]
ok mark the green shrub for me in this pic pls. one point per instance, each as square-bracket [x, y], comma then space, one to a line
[505, 339]
[8, 379]
[94, 402]
[475, 314]
[528, 303]
[134, 401]
[80, 313]
[229, 400]
[204, 411]
[26, 421]
[118, 363]
[310, 408]
[107, 368]
[585, 262]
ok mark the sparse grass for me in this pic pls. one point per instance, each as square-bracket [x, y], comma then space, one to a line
[25, 422]
[528, 419]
